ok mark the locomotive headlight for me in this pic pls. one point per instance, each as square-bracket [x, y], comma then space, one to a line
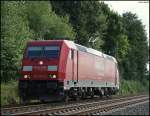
[41, 62]
[50, 76]
[25, 76]
[54, 76]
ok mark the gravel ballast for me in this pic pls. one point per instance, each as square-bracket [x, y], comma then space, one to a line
[135, 109]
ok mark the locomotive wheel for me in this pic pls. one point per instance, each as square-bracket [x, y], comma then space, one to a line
[66, 96]
[100, 95]
[24, 101]
[43, 101]
[92, 95]
[66, 99]
[77, 98]
[108, 96]
[83, 96]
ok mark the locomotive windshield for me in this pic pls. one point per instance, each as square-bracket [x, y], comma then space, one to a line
[43, 51]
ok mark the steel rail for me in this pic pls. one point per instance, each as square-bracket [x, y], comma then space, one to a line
[107, 107]
[74, 107]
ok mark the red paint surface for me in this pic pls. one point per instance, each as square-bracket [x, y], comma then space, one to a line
[83, 66]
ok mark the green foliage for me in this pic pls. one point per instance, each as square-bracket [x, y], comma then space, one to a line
[116, 41]
[123, 47]
[135, 62]
[87, 18]
[15, 33]
[133, 87]
[46, 24]
[9, 93]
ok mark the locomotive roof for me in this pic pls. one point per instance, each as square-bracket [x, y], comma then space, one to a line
[73, 45]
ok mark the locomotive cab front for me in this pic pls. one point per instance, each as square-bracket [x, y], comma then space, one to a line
[61, 69]
[40, 66]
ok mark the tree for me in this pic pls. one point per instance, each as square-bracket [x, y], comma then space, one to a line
[116, 41]
[87, 19]
[14, 34]
[135, 62]
[45, 24]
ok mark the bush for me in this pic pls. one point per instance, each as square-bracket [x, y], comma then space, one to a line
[9, 93]
[133, 87]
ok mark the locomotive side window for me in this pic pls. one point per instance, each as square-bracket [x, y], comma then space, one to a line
[72, 54]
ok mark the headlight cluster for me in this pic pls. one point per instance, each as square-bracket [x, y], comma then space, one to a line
[52, 76]
[27, 76]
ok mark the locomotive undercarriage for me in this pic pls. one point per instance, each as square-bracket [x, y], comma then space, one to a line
[54, 90]
[41, 90]
[84, 92]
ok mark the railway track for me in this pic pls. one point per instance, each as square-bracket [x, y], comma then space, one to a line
[100, 109]
[82, 108]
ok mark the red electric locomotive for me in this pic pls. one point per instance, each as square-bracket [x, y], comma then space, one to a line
[59, 69]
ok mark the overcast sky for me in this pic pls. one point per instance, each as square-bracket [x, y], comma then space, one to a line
[141, 8]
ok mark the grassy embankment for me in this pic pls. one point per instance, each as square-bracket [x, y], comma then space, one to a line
[133, 87]
[9, 91]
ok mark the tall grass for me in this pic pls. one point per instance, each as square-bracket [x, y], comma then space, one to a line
[9, 93]
[133, 87]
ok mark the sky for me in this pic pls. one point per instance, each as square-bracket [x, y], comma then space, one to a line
[141, 8]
